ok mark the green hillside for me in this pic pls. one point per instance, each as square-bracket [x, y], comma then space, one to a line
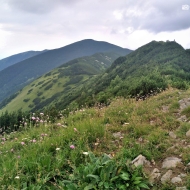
[150, 69]
[95, 148]
[20, 74]
[59, 83]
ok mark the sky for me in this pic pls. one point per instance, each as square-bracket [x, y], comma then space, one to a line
[49, 24]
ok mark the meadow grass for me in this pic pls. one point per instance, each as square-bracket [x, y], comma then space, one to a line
[43, 156]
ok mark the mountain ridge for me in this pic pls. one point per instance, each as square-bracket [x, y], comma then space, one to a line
[13, 59]
[18, 75]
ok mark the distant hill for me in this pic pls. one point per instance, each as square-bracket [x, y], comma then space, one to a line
[6, 62]
[59, 83]
[188, 50]
[146, 71]
[20, 74]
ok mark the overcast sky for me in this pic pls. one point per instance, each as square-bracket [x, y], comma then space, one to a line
[48, 24]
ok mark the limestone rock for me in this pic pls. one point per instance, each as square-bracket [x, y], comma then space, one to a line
[154, 175]
[183, 118]
[171, 162]
[166, 177]
[188, 134]
[184, 103]
[172, 135]
[176, 180]
[140, 160]
[117, 135]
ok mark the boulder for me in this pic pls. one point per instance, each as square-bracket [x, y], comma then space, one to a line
[140, 160]
[166, 177]
[176, 180]
[171, 162]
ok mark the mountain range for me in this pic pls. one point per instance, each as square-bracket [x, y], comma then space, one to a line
[18, 75]
[6, 62]
[100, 77]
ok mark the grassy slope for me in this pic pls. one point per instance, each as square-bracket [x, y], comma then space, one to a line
[39, 164]
[151, 67]
[61, 81]
[20, 74]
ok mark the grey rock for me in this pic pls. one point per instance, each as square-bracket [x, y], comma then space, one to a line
[154, 175]
[176, 180]
[182, 175]
[188, 134]
[171, 162]
[166, 177]
[183, 118]
[140, 160]
[117, 135]
[184, 103]
[172, 135]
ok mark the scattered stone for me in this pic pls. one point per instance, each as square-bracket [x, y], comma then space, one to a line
[171, 162]
[140, 160]
[154, 175]
[183, 118]
[172, 135]
[184, 103]
[182, 175]
[117, 135]
[166, 177]
[181, 188]
[176, 180]
[188, 134]
[165, 108]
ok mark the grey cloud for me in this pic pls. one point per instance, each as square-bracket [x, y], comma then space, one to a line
[156, 16]
[38, 6]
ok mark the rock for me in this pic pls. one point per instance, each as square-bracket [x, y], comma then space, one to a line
[188, 134]
[184, 103]
[154, 175]
[140, 160]
[172, 135]
[171, 162]
[183, 118]
[166, 177]
[182, 175]
[117, 135]
[181, 188]
[176, 180]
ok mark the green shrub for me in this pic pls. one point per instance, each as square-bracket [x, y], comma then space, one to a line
[105, 173]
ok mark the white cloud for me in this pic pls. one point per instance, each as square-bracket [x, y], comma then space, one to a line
[47, 24]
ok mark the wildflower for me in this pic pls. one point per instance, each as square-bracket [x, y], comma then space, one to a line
[72, 147]
[3, 139]
[58, 124]
[75, 129]
[25, 124]
[18, 157]
[85, 153]
[34, 140]
[57, 149]
[16, 139]
[12, 150]
[33, 118]
[41, 114]
[41, 121]
[2, 143]
[17, 177]
[22, 143]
